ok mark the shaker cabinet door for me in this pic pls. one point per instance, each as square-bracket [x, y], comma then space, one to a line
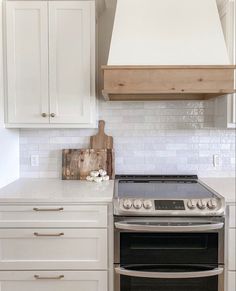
[70, 58]
[27, 62]
[53, 281]
[53, 249]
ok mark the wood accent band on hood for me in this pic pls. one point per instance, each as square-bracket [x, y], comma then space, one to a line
[171, 82]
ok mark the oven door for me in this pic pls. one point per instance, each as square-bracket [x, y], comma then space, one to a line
[169, 278]
[169, 254]
[152, 241]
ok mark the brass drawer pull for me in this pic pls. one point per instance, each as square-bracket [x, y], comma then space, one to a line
[48, 209]
[48, 234]
[38, 277]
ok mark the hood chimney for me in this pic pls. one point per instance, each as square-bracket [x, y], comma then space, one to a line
[167, 49]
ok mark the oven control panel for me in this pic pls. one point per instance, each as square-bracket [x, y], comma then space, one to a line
[169, 206]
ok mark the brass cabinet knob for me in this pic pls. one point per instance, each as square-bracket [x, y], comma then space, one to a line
[52, 115]
[44, 114]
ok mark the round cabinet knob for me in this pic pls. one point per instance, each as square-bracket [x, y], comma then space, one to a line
[127, 204]
[138, 204]
[52, 115]
[147, 204]
[44, 114]
[211, 204]
[191, 204]
[201, 204]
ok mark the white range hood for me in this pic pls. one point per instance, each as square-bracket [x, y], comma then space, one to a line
[155, 39]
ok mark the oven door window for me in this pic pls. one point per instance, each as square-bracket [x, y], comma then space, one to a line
[136, 283]
[168, 248]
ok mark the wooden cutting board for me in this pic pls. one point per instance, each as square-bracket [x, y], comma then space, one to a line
[78, 163]
[101, 140]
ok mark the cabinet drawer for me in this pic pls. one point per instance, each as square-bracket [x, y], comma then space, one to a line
[49, 249]
[59, 281]
[231, 286]
[53, 216]
[232, 214]
[231, 248]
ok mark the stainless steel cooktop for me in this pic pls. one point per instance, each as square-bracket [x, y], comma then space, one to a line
[182, 195]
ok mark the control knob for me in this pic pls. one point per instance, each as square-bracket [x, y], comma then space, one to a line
[147, 204]
[138, 204]
[191, 204]
[127, 203]
[211, 204]
[201, 204]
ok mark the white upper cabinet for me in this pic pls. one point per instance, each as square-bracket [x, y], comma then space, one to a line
[50, 68]
[27, 61]
[70, 62]
[225, 106]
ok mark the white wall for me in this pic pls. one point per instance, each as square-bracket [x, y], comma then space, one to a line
[164, 137]
[9, 139]
[149, 137]
[1, 72]
[9, 156]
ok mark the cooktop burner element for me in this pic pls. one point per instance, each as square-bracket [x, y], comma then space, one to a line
[165, 196]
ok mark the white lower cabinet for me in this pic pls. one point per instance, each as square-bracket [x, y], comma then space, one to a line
[231, 255]
[231, 251]
[53, 281]
[53, 249]
[231, 282]
[38, 255]
[37, 216]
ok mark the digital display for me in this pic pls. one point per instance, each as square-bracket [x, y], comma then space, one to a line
[169, 205]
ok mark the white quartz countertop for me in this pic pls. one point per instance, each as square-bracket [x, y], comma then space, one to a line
[55, 190]
[223, 186]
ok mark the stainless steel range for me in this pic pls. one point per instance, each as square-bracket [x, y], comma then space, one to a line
[165, 196]
[168, 234]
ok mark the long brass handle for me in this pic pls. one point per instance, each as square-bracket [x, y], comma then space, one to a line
[48, 234]
[38, 277]
[48, 209]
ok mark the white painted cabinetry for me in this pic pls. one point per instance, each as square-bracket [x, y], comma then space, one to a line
[225, 106]
[50, 63]
[231, 255]
[70, 62]
[54, 247]
[53, 281]
[27, 61]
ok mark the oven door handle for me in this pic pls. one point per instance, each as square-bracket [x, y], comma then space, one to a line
[168, 228]
[169, 275]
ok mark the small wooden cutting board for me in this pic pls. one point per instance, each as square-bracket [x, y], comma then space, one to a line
[101, 140]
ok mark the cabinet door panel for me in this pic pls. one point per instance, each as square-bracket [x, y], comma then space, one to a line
[232, 216]
[231, 283]
[55, 248]
[231, 248]
[27, 61]
[70, 31]
[72, 281]
[82, 216]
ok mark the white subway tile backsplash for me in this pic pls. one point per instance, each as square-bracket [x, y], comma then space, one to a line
[163, 137]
